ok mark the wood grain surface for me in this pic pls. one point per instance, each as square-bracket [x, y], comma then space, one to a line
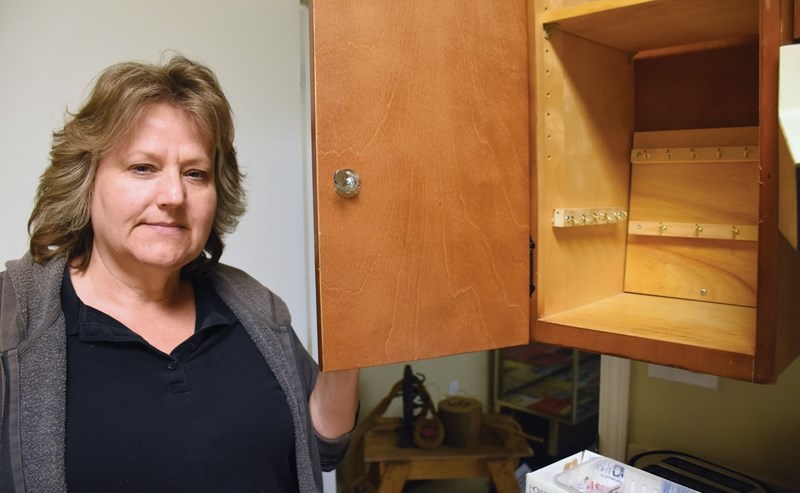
[428, 102]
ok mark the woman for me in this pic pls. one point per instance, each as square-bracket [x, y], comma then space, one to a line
[132, 359]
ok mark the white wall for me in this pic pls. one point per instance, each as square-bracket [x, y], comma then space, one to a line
[50, 51]
[750, 428]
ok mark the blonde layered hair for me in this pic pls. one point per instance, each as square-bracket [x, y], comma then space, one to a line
[61, 222]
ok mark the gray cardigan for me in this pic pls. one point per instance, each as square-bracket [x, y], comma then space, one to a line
[33, 373]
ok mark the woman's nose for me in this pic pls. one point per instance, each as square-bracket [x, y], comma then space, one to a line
[171, 190]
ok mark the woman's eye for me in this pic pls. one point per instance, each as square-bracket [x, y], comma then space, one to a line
[141, 168]
[197, 174]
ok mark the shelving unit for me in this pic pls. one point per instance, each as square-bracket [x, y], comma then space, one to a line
[552, 391]
[549, 381]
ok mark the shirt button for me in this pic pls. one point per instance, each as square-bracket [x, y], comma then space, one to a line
[193, 346]
[172, 365]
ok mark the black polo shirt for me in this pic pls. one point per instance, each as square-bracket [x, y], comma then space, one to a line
[209, 417]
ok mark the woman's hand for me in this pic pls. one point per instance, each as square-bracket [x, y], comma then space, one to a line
[334, 402]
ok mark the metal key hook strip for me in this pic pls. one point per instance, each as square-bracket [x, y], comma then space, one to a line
[567, 217]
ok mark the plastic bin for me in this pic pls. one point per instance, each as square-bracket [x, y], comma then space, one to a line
[604, 475]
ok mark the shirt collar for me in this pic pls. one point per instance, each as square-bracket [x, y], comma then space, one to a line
[92, 325]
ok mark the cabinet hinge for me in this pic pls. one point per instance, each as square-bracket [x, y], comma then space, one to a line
[530, 265]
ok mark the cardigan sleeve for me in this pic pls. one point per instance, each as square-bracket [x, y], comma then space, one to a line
[331, 451]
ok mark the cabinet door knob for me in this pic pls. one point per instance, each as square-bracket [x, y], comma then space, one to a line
[346, 182]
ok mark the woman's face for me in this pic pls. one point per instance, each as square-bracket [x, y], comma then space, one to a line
[154, 196]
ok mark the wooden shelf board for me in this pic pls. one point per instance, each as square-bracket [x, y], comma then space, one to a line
[639, 25]
[721, 327]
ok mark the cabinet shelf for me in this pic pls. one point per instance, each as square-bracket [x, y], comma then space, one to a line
[727, 328]
[640, 25]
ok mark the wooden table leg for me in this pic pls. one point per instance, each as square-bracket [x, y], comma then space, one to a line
[394, 477]
[503, 476]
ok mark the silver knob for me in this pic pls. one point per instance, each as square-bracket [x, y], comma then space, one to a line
[346, 182]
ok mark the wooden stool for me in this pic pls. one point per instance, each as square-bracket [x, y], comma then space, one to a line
[397, 465]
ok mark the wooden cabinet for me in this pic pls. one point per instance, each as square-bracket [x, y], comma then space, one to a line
[634, 142]
[674, 105]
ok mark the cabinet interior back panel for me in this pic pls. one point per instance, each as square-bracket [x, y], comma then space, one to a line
[694, 218]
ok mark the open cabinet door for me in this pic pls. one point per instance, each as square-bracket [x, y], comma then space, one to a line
[427, 102]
